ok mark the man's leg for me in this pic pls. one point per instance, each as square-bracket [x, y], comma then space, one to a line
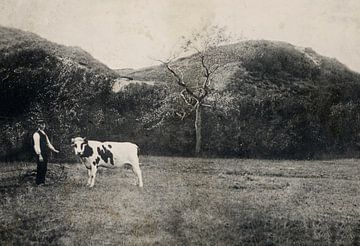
[41, 172]
[45, 170]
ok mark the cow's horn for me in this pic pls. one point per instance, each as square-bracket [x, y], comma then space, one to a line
[72, 140]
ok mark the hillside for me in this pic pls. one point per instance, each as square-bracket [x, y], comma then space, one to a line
[266, 60]
[42, 79]
[14, 41]
[283, 101]
[269, 100]
[29, 61]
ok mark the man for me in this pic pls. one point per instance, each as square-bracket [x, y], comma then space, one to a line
[41, 146]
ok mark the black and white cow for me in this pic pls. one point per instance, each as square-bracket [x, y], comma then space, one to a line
[95, 154]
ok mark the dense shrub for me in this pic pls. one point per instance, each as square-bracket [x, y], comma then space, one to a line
[270, 100]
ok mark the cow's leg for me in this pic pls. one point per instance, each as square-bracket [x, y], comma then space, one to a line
[93, 175]
[137, 171]
[89, 178]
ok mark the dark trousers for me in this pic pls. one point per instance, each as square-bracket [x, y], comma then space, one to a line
[41, 171]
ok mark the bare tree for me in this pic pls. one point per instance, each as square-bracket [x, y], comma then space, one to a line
[195, 93]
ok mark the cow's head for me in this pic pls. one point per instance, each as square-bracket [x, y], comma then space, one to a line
[80, 145]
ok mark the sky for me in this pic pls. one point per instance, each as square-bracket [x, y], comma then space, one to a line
[134, 33]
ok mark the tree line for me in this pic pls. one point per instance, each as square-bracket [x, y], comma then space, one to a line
[254, 99]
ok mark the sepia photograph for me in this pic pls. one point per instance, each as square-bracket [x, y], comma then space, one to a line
[179, 122]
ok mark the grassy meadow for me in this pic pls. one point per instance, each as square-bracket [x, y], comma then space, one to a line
[185, 201]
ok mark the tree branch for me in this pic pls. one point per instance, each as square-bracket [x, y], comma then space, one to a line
[217, 66]
[182, 116]
[184, 97]
[7, 76]
[207, 72]
[180, 80]
[207, 75]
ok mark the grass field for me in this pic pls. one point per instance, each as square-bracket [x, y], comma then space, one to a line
[185, 201]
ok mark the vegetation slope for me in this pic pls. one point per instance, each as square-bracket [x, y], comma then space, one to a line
[269, 99]
[41, 79]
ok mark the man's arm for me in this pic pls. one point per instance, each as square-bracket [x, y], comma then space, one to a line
[50, 145]
[36, 138]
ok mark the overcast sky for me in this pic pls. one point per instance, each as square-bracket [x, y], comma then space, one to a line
[128, 33]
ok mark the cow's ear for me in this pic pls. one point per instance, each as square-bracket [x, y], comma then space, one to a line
[85, 140]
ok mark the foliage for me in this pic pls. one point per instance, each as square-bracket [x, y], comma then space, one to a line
[40, 79]
[146, 115]
[267, 99]
[196, 90]
[273, 100]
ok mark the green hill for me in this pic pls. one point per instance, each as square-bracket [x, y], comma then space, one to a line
[270, 99]
[266, 60]
[42, 79]
[13, 41]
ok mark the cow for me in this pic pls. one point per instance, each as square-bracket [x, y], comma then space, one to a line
[95, 154]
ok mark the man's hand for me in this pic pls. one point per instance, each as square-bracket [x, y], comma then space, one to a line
[41, 159]
[56, 151]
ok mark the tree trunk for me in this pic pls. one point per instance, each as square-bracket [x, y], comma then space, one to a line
[198, 129]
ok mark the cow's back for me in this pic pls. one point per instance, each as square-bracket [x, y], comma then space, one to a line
[123, 152]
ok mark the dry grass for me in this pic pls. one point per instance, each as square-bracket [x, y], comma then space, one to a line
[185, 201]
